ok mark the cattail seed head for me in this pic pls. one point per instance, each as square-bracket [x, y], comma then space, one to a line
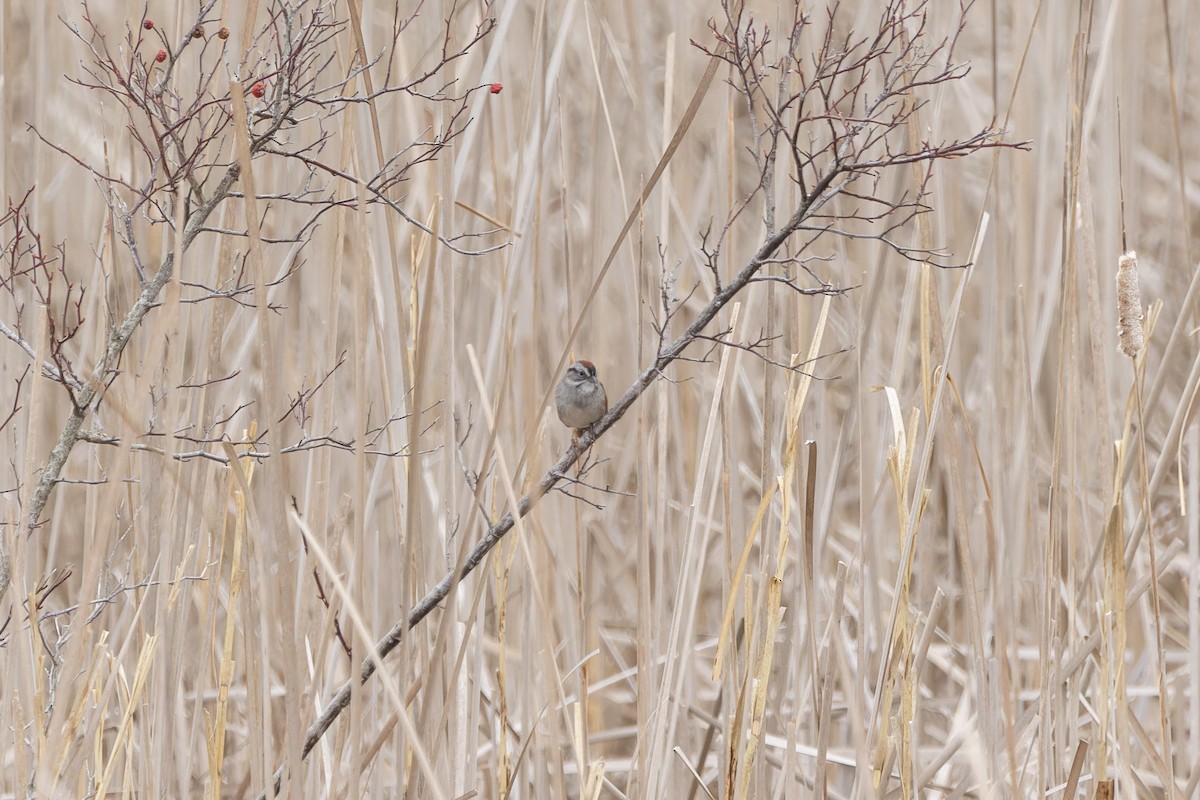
[1129, 306]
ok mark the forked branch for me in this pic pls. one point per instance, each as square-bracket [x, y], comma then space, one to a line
[183, 132]
[843, 113]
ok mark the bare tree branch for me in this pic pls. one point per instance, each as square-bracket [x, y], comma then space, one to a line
[183, 137]
[842, 114]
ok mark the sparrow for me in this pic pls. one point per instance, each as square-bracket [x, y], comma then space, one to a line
[580, 397]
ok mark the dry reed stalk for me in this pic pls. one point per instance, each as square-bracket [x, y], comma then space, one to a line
[132, 696]
[238, 490]
[899, 672]
[1132, 341]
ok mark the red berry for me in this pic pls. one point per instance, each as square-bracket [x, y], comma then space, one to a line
[259, 89]
[160, 56]
[496, 88]
[148, 24]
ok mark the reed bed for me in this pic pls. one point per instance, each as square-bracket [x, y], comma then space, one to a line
[956, 556]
